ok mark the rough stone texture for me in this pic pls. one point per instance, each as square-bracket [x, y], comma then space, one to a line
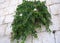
[10, 9]
[57, 37]
[55, 22]
[4, 39]
[7, 10]
[9, 19]
[4, 4]
[44, 37]
[13, 2]
[55, 9]
[3, 29]
[1, 19]
[2, 13]
[51, 2]
[48, 38]
[55, 1]
[48, 2]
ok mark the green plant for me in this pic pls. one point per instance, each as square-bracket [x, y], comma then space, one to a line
[29, 16]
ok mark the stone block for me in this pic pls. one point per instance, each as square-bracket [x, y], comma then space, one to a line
[44, 37]
[1, 19]
[9, 19]
[51, 2]
[4, 4]
[4, 39]
[2, 13]
[13, 2]
[48, 38]
[55, 23]
[2, 29]
[48, 2]
[57, 37]
[55, 9]
[55, 1]
[10, 9]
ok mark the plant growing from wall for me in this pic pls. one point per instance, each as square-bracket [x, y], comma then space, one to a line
[29, 16]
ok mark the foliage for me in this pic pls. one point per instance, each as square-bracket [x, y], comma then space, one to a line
[29, 16]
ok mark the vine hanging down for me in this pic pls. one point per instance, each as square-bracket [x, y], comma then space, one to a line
[29, 16]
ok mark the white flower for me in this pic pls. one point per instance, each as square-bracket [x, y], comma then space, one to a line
[35, 9]
[20, 14]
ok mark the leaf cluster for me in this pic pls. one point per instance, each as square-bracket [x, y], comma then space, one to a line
[30, 20]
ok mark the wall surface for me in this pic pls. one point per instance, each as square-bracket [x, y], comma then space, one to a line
[7, 11]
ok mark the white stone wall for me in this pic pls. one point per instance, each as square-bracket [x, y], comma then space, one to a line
[7, 11]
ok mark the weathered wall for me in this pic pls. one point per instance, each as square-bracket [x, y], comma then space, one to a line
[7, 10]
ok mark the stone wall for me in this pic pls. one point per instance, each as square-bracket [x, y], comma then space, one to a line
[7, 11]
